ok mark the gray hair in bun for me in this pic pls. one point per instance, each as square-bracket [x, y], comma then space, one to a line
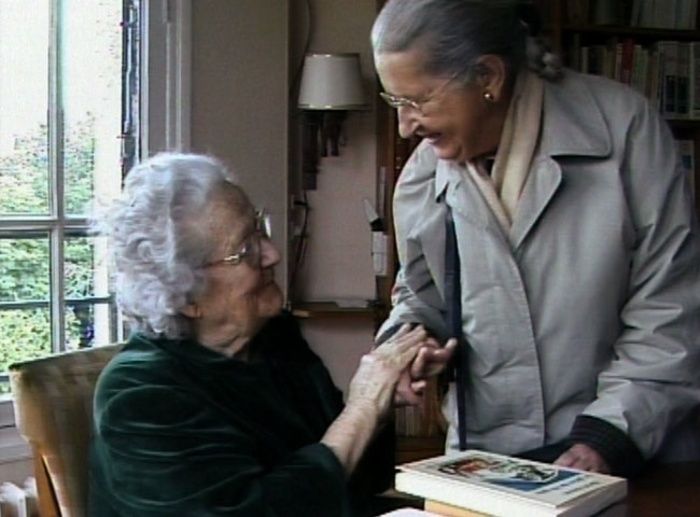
[455, 33]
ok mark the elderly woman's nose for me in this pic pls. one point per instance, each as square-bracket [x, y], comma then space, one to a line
[407, 121]
[269, 256]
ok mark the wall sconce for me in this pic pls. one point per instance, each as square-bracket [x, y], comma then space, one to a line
[331, 85]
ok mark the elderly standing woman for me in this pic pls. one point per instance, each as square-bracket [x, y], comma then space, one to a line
[575, 242]
[216, 405]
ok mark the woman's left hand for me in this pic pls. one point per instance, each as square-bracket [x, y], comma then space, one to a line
[432, 358]
[583, 457]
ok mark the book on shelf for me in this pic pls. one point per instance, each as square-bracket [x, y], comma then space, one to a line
[683, 79]
[694, 73]
[652, 14]
[662, 14]
[666, 72]
[496, 484]
[686, 150]
[668, 57]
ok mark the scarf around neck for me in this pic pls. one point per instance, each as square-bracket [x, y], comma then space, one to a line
[503, 187]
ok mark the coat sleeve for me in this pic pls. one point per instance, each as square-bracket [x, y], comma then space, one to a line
[166, 453]
[653, 381]
[415, 296]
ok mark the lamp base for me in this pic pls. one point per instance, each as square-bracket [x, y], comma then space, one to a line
[320, 138]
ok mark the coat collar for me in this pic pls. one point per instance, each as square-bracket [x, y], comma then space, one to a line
[572, 122]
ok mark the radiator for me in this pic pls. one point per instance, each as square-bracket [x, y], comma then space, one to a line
[18, 501]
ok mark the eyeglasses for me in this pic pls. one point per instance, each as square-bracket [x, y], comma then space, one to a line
[397, 102]
[250, 249]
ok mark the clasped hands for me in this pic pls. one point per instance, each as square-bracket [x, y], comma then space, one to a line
[431, 359]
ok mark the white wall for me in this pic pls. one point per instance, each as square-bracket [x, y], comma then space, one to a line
[239, 98]
[338, 261]
[245, 56]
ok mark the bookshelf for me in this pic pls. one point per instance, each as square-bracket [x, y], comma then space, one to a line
[655, 49]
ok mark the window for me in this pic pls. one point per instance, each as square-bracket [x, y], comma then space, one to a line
[86, 88]
[69, 127]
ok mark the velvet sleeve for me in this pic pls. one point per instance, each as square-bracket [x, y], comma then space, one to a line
[161, 451]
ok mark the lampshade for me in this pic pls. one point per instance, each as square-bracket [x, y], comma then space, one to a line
[332, 82]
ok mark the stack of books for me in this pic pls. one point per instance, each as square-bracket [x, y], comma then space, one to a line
[474, 483]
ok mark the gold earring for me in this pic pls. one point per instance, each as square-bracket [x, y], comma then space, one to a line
[488, 96]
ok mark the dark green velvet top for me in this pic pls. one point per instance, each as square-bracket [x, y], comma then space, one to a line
[183, 431]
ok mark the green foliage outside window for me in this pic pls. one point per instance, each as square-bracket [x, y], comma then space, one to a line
[24, 261]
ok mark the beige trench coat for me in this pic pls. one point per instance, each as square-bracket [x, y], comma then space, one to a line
[591, 304]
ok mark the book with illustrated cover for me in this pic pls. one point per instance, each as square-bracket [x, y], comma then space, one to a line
[503, 485]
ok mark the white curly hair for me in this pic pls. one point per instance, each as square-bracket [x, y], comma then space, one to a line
[159, 239]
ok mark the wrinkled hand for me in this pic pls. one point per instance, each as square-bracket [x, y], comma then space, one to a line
[430, 360]
[583, 457]
[372, 387]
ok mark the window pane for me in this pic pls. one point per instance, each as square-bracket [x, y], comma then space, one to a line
[24, 31]
[24, 334]
[91, 97]
[89, 325]
[86, 267]
[24, 269]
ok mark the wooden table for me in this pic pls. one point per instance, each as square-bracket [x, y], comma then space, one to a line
[671, 490]
[665, 490]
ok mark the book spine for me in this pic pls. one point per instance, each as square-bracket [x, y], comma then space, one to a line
[664, 14]
[640, 61]
[585, 53]
[575, 52]
[693, 16]
[686, 152]
[626, 61]
[609, 58]
[694, 88]
[668, 57]
[683, 79]
[617, 72]
[636, 14]
[646, 16]
[654, 79]
[604, 12]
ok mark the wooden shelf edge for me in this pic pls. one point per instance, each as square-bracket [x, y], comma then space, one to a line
[330, 309]
[622, 30]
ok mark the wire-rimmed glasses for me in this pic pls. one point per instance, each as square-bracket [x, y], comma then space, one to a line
[397, 101]
[250, 249]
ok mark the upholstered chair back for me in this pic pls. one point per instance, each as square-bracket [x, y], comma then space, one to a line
[53, 412]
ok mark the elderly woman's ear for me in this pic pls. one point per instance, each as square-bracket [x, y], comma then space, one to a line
[492, 77]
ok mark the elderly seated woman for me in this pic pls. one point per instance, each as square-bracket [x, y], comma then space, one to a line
[216, 405]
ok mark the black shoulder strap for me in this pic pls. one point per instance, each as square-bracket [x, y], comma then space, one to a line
[454, 324]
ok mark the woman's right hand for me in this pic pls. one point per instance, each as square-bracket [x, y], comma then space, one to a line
[372, 387]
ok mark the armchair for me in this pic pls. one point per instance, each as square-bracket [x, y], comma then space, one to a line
[53, 412]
